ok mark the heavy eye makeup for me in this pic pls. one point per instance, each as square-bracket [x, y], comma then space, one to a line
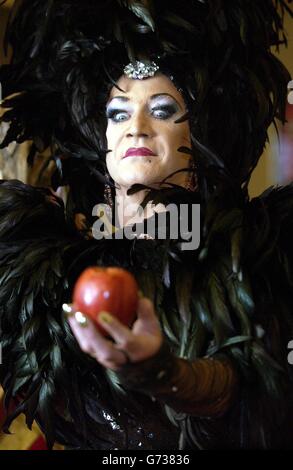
[117, 114]
[163, 110]
[162, 107]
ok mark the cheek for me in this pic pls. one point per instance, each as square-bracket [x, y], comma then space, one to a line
[111, 165]
[110, 159]
[109, 137]
[182, 134]
[177, 135]
[112, 136]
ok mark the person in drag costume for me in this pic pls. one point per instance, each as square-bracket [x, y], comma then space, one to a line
[207, 355]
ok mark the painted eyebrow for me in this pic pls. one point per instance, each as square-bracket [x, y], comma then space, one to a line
[157, 95]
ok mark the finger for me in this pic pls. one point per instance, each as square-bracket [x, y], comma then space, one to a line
[146, 310]
[86, 334]
[93, 343]
[82, 326]
[119, 332]
[68, 310]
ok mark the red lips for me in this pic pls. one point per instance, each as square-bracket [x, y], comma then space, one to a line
[140, 152]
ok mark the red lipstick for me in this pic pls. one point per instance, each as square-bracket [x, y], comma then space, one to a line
[139, 152]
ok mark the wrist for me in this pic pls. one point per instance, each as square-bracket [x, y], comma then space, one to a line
[149, 375]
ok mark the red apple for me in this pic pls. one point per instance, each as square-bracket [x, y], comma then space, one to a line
[112, 289]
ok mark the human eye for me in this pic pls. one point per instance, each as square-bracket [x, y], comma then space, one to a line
[164, 111]
[117, 115]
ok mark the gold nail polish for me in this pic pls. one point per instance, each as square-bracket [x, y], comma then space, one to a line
[105, 317]
[81, 319]
[68, 310]
[140, 294]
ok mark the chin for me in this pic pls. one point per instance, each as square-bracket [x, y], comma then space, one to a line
[135, 177]
[133, 181]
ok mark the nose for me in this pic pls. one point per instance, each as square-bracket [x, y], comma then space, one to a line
[140, 126]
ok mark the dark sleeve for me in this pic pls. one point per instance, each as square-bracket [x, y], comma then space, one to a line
[203, 387]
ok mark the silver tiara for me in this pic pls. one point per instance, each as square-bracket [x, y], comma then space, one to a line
[140, 70]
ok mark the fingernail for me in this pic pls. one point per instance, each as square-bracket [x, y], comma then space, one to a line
[68, 310]
[105, 317]
[81, 319]
[140, 294]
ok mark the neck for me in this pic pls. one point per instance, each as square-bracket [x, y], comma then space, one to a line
[128, 206]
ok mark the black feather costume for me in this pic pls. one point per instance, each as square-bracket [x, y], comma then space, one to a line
[232, 296]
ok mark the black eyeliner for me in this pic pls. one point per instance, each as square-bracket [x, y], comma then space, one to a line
[110, 113]
[165, 107]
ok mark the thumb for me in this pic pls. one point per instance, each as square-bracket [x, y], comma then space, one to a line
[146, 311]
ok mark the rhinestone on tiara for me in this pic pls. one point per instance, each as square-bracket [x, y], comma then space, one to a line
[140, 70]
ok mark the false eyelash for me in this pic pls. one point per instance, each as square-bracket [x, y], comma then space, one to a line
[170, 108]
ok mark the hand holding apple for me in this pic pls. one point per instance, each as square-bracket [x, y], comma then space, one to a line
[111, 337]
